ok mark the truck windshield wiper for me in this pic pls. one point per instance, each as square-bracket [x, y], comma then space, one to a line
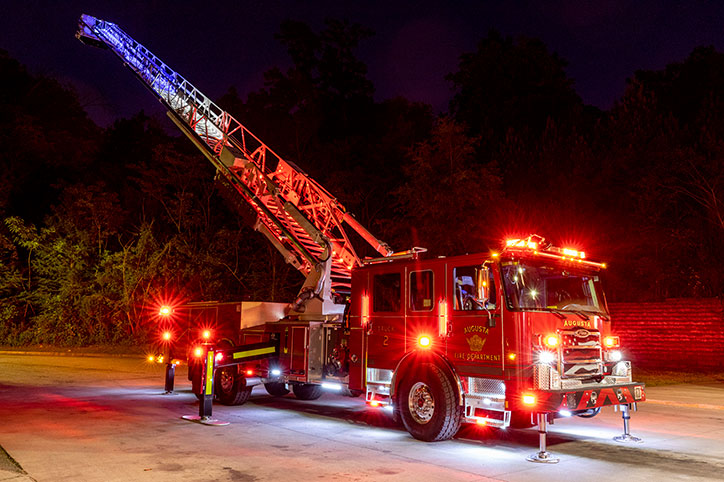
[557, 313]
[582, 314]
[562, 313]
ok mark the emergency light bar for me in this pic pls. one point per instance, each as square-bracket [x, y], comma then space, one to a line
[537, 245]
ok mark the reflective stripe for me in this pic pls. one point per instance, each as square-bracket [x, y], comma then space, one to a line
[258, 351]
[209, 372]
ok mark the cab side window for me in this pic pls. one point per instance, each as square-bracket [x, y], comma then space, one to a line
[470, 282]
[421, 289]
[386, 292]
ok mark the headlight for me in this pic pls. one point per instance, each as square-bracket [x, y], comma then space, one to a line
[546, 357]
[614, 356]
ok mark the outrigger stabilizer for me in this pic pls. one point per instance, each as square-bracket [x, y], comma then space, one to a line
[545, 457]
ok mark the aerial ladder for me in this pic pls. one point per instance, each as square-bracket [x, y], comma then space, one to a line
[307, 225]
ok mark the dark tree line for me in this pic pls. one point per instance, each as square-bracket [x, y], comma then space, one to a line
[99, 225]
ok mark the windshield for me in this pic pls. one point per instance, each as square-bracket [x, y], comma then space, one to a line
[542, 286]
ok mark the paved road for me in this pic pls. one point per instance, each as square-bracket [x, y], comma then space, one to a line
[102, 419]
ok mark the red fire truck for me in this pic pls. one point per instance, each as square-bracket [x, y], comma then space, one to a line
[513, 338]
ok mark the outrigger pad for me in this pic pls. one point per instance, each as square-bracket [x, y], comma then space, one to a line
[542, 458]
[204, 420]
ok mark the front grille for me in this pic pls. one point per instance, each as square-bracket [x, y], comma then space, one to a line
[581, 355]
[486, 386]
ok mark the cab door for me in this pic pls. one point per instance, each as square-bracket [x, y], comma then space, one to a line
[422, 305]
[475, 339]
[386, 328]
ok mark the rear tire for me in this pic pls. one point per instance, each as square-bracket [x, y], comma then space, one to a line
[195, 377]
[428, 404]
[307, 391]
[230, 386]
[276, 389]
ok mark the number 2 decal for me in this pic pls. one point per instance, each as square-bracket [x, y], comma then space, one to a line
[385, 339]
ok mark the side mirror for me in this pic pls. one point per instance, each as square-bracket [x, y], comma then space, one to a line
[483, 288]
[484, 292]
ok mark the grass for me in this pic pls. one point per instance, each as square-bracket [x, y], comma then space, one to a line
[95, 349]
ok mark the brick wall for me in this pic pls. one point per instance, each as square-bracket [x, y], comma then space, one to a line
[673, 334]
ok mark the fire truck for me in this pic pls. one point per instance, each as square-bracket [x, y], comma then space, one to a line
[517, 337]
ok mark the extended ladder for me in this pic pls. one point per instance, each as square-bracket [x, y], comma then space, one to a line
[298, 216]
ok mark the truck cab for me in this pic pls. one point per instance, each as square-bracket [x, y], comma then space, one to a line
[498, 337]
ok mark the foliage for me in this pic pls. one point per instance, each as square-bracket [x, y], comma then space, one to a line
[512, 85]
[101, 224]
[446, 188]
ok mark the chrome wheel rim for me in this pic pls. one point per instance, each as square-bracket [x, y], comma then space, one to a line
[421, 403]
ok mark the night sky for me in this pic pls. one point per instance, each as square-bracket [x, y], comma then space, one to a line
[219, 44]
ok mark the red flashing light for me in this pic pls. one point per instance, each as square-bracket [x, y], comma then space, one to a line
[611, 342]
[374, 403]
[198, 352]
[249, 373]
[165, 311]
[521, 243]
[206, 334]
[443, 322]
[365, 310]
[166, 335]
[529, 399]
[424, 341]
[573, 253]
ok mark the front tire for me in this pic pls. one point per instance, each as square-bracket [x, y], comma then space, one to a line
[307, 391]
[428, 404]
